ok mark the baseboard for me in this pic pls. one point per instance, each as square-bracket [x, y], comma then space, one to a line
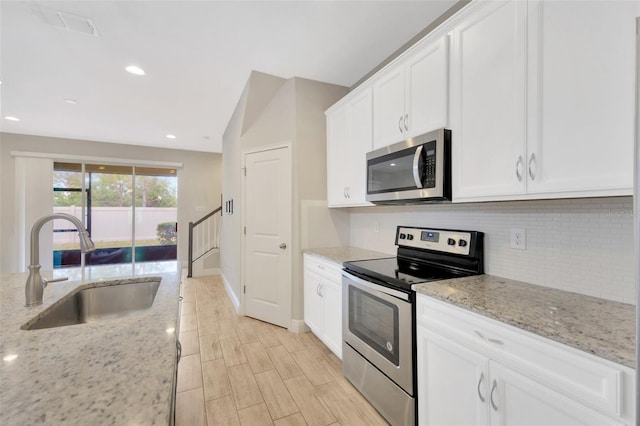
[298, 326]
[232, 296]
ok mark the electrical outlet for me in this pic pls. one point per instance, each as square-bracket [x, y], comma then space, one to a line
[518, 239]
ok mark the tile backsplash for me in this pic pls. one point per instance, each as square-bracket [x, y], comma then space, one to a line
[579, 245]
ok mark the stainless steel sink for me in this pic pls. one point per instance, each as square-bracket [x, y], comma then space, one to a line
[97, 303]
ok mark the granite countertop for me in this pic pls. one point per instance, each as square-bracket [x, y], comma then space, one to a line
[113, 371]
[598, 326]
[345, 254]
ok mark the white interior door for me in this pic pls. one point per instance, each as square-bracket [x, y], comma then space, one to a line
[268, 236]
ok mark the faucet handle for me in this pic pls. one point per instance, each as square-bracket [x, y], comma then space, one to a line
[54, 280]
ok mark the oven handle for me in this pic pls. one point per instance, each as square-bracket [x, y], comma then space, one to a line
[376, 287]
[416, 167]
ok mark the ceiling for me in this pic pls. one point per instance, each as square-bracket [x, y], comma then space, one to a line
[197, 56]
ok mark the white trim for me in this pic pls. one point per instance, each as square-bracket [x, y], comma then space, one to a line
[102, 160]
[231, 294]
[298, 326]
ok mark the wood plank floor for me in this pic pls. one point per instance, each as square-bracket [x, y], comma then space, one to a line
[239, 371]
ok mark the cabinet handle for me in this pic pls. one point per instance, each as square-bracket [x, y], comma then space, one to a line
[406, 122]
[344, 192]
[348, 192]
[479, 383]
[496, 341]
[493, 388]
[321, 267]
[179, 347]
[400, 124]
[532, 161]
[518, 166]
[318, 290]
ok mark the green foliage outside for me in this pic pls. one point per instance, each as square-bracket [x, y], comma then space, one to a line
[115, 190]
[166, 232]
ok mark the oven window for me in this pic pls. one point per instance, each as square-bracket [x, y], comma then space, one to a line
[375, 322]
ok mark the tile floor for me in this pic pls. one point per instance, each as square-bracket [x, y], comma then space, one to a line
[239, 371]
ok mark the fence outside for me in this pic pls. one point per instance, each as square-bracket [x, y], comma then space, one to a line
[114, 223]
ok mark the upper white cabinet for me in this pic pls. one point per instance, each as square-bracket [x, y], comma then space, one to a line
[410, 97]
[488, 86]
[581, 97]
[349, 138]
[542, 100]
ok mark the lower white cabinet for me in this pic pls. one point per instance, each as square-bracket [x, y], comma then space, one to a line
[323, 301]
[476, 371]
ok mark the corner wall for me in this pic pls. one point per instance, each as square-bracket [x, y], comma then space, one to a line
[199, 180]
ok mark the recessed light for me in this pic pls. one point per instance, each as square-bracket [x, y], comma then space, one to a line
[71, 101]
[171, 136]
[392, 164]
[135, 70]
[170, 330]
[11, 118]
[10, 357]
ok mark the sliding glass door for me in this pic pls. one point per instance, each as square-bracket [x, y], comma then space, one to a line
[130, 213]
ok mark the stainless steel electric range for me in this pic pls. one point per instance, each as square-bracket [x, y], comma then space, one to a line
[378, 321]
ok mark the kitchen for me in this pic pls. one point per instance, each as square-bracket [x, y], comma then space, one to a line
[591, 235]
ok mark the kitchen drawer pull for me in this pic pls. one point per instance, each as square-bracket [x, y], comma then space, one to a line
[479, 383]
[406, 122]
[518, 165]
[179, 346]
[321, 267]
[319, 290]
[532, 160]
[400, 124]
[496, 341]
[493, 388]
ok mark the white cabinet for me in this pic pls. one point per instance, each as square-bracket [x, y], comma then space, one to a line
[349, 138]
[581, 97]
[323, 301]
[488, 102]
[541, 102]
[476, 371]
[410, 97]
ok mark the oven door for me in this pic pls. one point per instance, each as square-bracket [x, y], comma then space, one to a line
[377, 322]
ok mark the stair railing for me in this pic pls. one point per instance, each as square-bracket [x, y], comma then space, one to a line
[204, 236]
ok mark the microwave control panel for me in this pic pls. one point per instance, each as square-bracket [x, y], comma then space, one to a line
[456, 242]
[430, 165]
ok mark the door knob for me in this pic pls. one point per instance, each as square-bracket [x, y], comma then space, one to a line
[283, 246]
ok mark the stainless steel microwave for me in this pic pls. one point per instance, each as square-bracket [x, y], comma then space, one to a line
[416, 170]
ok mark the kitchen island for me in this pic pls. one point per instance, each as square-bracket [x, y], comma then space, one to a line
[113, 371]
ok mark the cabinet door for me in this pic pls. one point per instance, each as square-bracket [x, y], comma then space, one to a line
[360, 142]
[452, 382]
[337, 156]
[488, 102]
[313, 310]
[332, 302]
[388, 108]
[581, 97]
[427, 87]
[517, 400]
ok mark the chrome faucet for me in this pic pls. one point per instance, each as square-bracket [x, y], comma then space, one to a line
[35, 283]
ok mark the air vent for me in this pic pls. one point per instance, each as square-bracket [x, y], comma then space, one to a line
[67, 21]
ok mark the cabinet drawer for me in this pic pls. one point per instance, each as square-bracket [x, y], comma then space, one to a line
[326, 268]
[595, 382]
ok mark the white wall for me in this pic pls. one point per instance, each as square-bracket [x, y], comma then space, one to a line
[579, 245]
[199, 180]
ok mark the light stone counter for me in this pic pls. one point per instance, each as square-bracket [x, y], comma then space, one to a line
[600, 327]
[345, 254]
[114, 371]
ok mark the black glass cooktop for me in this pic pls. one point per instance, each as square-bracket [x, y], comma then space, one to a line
[400, 273]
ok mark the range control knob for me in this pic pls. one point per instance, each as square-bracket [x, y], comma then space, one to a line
[451, 242]
[409, 237]
[403, 236]
[462, 243]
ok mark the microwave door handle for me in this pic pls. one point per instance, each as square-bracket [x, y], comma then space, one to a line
[416, 167]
